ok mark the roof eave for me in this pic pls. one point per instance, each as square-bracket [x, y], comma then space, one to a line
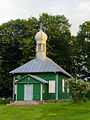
[40, 72]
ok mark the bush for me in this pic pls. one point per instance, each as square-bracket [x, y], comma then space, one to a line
[78, 90]
[5, 101]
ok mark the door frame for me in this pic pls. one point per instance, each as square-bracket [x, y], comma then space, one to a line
[25, 89]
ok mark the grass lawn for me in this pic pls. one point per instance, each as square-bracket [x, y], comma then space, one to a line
[48, 111]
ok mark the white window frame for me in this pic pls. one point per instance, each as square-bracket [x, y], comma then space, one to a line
[16, 90]
[63, 82]
[67, 90]
[51, 88]
[41, 91]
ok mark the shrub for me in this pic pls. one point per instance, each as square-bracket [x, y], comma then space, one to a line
[5, 101]
[78, 90]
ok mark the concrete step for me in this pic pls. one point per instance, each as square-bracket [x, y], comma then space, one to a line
[24, 103]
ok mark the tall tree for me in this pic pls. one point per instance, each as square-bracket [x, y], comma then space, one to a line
[15, 45]
[82, 46]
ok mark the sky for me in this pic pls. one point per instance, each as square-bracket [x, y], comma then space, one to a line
[76, 11]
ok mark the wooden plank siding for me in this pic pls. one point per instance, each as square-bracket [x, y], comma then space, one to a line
[61, 94]
[20, 92]
[45, 87]
[47, 77]
[36, 88]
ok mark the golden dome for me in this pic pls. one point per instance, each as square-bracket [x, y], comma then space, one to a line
[41, 36]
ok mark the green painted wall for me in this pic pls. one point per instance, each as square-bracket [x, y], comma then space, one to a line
[45, 91]
[37, 87]
[20, 92]
[62, 95]
[47, 77]
[36, 91]
[18, 76]
[29, 80]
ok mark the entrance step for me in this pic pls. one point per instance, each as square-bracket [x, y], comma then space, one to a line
[24, 103]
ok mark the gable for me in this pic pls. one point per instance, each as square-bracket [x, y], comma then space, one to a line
[28, 79]
[31, 79]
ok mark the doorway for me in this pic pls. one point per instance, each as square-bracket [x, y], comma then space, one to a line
[28, 92]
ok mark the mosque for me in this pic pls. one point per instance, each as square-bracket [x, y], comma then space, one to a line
[41, 78]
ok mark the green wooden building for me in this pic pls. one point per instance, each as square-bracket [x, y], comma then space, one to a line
[41, 78]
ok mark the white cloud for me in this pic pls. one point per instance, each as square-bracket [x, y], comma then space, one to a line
[82, 14]
[83, 10]
[84, 6]
[10, 9]
[58, 9]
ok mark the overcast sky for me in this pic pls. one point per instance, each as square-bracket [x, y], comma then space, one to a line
[77, 11]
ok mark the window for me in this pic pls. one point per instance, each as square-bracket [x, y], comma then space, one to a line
[67, 90]
[39, 47]
[18, 77]
[63, 85]
[16, 89]
[52, 86]
[28, 78]
[44, 47]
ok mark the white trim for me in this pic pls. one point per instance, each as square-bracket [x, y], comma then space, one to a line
[41, 92]
[63, 90]
[56, 86]
[16, 91]
[33, 76]
[13, 86]
[67, 90]
[52, 86]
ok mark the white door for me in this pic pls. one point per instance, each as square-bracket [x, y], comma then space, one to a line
[28, 92]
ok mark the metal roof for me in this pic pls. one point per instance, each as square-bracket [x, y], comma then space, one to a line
[38, 66]
[35, 77]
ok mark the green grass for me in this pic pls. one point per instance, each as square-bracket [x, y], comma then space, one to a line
[48, 111]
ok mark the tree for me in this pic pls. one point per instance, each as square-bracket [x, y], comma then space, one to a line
[82, 50]
[14, 39]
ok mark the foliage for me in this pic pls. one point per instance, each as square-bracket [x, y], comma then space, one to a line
[81, 50]
[16, 48]
[77, 89]
[48, 111]
[5, 101]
